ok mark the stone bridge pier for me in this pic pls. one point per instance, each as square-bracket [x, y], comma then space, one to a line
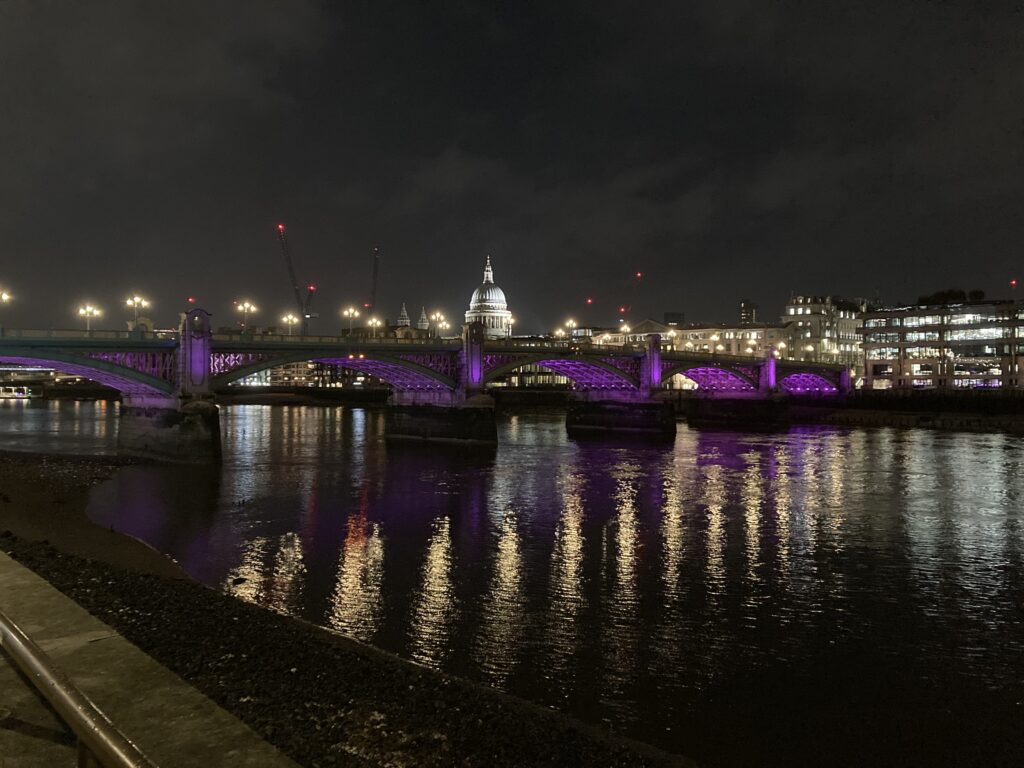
[184, 426]
[462, 414]
[625, 412]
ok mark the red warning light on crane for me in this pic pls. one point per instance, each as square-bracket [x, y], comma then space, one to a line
[622, 310]
[280, 227]
[589, 300]
[639, 275]
[311, 287]
[191, 299]
[1013, 283]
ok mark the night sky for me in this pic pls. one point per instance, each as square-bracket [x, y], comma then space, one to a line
[725, 149]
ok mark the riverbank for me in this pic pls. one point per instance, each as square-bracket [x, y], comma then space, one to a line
[322, 699]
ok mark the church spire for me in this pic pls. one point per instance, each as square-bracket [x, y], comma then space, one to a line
[403, 317]
[488, 272]
[423, 324]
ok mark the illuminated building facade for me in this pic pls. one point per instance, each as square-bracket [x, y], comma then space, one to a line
[945, 346]
[824, 329]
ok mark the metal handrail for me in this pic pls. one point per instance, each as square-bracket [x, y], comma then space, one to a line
[99, 739]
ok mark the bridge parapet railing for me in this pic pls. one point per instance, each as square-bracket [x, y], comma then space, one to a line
[368, 341]
[78, 334]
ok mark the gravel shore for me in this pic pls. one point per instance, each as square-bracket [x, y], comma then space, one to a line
[321, 698]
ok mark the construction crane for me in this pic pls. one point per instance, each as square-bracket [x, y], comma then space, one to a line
[302, 303]
[373, 280]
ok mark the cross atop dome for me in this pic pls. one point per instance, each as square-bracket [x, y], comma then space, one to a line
[488, 272]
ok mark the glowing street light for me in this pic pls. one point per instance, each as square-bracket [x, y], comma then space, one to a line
[444, 326]
[88, 311]
[351, 313]
[290, 320]
[136, 303]
[5, 297]
[374, 324]
[559, 333]
[246, 307]
[570, 324]
[437, 318]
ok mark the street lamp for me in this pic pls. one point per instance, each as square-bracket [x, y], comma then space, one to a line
[290, 320]
[437, 318]
[444, 326]
[351, 313]
[781, 346]
[137, 302]
[5, 297]
[374, 324]
[245, 307]
[559, 333]
[88, 311]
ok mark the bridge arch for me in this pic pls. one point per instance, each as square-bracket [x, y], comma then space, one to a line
[713, 377]
[400, 374]
[589, 373]
[806, 382]
[125, 380]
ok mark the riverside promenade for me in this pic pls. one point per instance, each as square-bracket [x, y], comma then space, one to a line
[169, 720]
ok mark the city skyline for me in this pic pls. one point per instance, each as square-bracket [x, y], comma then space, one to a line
[574, 148]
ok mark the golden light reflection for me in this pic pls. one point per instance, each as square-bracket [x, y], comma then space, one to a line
[623, 633]
[715, 495]
[503, 607]
[246, 581]
[356, 602]
[434, 611]
[278, 586]
[751, 498]
[567, 576]
[783, 507]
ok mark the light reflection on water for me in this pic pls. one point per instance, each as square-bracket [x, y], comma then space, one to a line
[809, 580]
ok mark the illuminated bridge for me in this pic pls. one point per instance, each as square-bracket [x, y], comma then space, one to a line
[181, 371]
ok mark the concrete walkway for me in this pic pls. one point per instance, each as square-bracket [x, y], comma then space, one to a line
[170, 721]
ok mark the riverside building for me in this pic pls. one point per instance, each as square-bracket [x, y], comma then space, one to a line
[945, 346]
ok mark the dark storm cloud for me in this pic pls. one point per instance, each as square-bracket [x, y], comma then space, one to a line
[726, 149]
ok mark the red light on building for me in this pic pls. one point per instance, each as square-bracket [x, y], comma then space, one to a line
[1013, 283]
[622, 310]
[311, 287]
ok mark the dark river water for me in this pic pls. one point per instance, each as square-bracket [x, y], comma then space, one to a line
[825, 596]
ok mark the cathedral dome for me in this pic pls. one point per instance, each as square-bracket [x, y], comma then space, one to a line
[488, 295]
[489, 308]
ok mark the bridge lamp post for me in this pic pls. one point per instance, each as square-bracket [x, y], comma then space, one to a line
[245, 307]
[137, 302]
[444, 326]
[437, 318]
[559, 333]
[511, 322]
[290, 320]
[374, 324]
[88, 311]
[351, 313]
[5, 297]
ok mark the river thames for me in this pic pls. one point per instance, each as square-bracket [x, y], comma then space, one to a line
[822, 595]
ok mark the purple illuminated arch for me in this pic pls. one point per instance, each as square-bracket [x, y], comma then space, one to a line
[715, 379]
[125, 380]
[400, 374]
[808, 384]
[587, 374]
